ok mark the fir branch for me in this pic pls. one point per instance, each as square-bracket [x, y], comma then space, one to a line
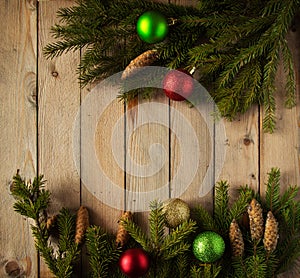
[273, 190]
[173, 251]
[290, 85]
[236, 46]
[289, 240]
[206, 271]
[137, 234]
[163, 248]
[178, 235]
[102, 252]
[221, 206]
[286, 201]
[31, 198]
[157, 223]
[65, 262]
[32, 201]
[288, 197]
[239, 267]
[256, 265]
[270, 70]
[58, 48]
[41, 243]
[246, 194]
[66, 228]
[204, 219]
[182, 262]
[272, 264]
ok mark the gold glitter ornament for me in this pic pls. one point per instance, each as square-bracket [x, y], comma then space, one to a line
[176, 211]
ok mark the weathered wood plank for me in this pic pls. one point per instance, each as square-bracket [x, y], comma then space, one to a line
[104, 206]
[282, 148]
[241, 165]
[147, 160]
[241, 147]
[192, 154]
[18, 130]
[147, 155]
[102, 171]
[59, 103]
[192, 123]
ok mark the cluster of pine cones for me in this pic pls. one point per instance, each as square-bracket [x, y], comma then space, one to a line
[82, 223]
[269, 231]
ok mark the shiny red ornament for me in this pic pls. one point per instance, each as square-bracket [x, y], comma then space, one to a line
[178, 84]
[134, 262]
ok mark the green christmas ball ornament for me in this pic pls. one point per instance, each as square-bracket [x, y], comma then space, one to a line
[176, 211]
[152, 27]
[208, 247]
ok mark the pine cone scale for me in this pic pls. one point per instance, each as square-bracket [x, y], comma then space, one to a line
[236, 239]
[256, 220]
[271, 233]
[122, 236]
[82, 223]
[145, 59]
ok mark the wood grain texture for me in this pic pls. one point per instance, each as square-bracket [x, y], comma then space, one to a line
[59, 103]
[147, 155]
[241, 164]
[281, 149]
[110, 157]
[201, 125]
[144, 156]
[18, 129]
[147, 159]
[104, 206]
[195, 142]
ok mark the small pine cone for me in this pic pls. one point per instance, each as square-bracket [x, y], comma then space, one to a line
[51, 222]
[256, 220]
[236, 239]
[271, 233]
[145, 59]
[82, 223]
[122, 234]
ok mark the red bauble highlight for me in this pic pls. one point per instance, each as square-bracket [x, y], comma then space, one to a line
[178, 84]
[134, 262]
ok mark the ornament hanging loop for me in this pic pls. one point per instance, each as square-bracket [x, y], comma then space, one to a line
[172, 21]
[192, 70]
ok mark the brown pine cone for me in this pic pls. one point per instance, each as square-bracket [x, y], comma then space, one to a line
[122, 234]
[51, 221]
[236, 239]
[52, 226]
[271, 233]
[256, 220]
[145, 59]
[82, 223]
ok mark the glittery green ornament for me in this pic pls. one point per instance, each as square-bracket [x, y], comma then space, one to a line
[208, 247]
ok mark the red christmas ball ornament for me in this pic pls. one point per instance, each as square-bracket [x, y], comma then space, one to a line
[178, 84]
[134, 262]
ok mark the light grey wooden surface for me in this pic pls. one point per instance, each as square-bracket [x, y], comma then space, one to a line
[40, 100]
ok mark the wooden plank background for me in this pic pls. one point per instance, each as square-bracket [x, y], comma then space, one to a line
[40, 100]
